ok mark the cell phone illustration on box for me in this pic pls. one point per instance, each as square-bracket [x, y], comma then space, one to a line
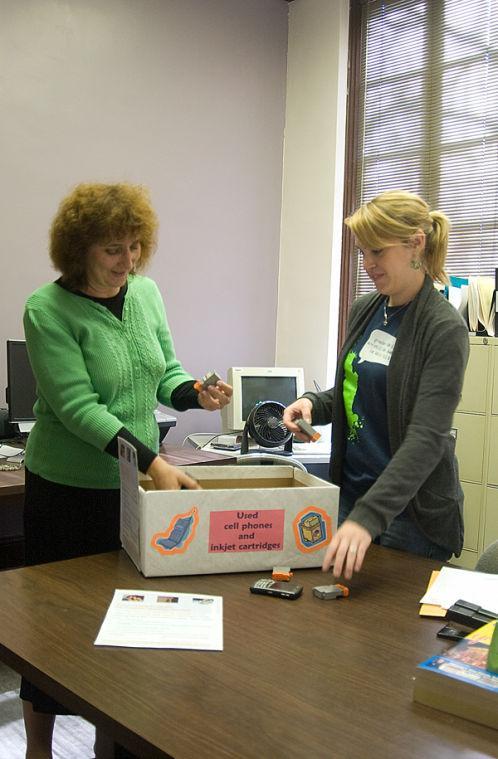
[178, 535]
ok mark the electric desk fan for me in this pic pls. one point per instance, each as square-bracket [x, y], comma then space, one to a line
[265, 426]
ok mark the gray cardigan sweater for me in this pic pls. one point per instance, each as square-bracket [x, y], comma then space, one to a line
[424, 384]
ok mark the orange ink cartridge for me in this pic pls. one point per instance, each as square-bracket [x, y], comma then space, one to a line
[281, 574]
[211, 378]
[328, 592]
[308, 430]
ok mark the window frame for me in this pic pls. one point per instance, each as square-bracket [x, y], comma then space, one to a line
[354, 125]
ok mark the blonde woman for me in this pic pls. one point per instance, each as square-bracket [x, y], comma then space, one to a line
[399, 379]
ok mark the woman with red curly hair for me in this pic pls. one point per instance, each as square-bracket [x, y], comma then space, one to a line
[103, 357]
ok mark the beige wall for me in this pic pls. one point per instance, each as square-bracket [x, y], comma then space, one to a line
[311, 229]
[184, 96]
[188, 98]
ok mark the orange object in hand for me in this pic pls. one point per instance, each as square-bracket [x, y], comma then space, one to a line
[211, 378]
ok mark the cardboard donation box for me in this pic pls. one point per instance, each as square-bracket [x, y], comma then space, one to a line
[245, 519]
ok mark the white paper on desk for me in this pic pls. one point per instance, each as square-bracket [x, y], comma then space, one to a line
[163, 619]
[453, 585]
[11, 453]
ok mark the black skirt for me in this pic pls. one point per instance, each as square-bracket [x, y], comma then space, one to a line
[63, 522]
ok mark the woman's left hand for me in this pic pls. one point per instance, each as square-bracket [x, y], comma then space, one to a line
[167, 477]
[347, 549]
[214, 397]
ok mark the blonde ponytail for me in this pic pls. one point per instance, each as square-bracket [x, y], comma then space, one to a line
[436, 247]
[399, 215]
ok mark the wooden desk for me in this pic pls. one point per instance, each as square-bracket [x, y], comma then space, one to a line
[11, 518]
[304, 679]
[12, 499]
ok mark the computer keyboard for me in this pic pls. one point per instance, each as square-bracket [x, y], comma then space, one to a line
[10, 466]
[11, 458]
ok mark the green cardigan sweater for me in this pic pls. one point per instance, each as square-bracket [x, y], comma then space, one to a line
[96, 374]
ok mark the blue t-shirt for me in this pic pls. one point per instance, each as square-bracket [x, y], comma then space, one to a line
[364, 391]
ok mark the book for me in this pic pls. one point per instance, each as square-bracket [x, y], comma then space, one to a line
[458, 681]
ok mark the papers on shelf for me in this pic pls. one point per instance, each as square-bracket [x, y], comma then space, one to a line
[452, 585]
[458, 297]
[163, 619]
[481, 304]
[457, 293]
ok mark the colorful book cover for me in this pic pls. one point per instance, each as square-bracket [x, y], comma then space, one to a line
[459, 682]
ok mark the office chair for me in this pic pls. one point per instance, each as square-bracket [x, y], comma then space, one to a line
[488, 561]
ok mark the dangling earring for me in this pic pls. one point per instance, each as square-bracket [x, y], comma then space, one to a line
[416, 264]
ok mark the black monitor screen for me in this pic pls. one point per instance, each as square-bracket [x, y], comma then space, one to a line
[256, 389]
[21, 385]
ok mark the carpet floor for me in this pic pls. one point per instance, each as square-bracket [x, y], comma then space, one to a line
[73, 736]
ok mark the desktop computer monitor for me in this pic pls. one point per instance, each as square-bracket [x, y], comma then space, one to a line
[254, 384]
[21, 386]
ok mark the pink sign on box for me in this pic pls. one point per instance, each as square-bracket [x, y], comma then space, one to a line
[246, 531]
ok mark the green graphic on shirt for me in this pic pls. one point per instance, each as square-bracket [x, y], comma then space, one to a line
[349, 390]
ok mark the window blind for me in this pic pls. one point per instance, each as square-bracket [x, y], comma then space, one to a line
[428, 118]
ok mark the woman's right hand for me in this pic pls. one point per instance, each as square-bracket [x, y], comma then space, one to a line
[347, 549]
[300, 409]
[167, 477]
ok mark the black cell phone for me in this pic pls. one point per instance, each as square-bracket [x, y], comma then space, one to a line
[274, 588]
[452, 633]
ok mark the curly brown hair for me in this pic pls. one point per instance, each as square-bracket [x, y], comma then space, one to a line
[97, 213]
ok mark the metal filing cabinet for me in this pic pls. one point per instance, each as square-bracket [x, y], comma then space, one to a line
[476, 427]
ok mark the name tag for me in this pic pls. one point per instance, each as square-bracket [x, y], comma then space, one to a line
[378, 348]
